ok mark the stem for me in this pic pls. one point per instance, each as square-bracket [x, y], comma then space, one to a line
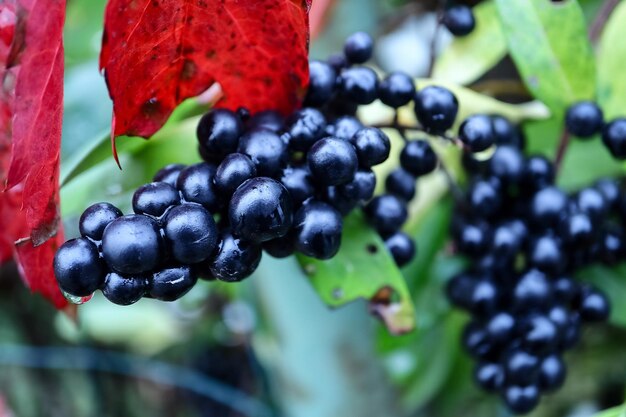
[560, 152]
[433, 42]
[601, 18]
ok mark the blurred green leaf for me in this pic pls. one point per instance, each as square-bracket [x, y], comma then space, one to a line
[611, 58]
[83, 30]
[363, 269]
[467, 58]
[612, 412]
[611, 280]
[549, 44]
[97, 178]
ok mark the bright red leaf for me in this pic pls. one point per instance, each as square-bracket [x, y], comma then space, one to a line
[31, 105]
[155, 54]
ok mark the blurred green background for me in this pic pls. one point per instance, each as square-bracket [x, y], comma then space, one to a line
[269, 346]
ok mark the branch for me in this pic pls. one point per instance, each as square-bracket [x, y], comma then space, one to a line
[601, 18]
[560, 152]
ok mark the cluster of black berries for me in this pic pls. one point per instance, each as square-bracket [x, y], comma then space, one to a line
[526, 238]
[267, 183]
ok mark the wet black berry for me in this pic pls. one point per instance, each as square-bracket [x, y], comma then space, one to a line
[235, 259]
[614, 137]
[489, 376]
[361, 188]
[584, 119]
[386, 213]
[332, 161]
[505, 133]
[396, 89]
[124, 290]
[418, 158]
[552, 373]
[547, 206]
[234, 170]
[168, 174]
[299, 182]
[538, 172]
[218, 132]
[521, 399]
[322, 82]
[132, 244]
[78, 267]
[401, 183]
[401, 247]
[280, 247]
[266, 120]
[95, 218]
[195, 184]
[372, 146]
[305, 127]
[190, 232]
[172, 283]
[507, 164]
[266, 149]
[344, 127]
[261, 209]
[317, 229]
[459, 20]
[359, 85]
[155, 198]
[436, 109]
[358, 47]
[476, 133]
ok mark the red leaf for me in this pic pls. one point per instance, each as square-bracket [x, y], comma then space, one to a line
[31, 105]
[155, 54]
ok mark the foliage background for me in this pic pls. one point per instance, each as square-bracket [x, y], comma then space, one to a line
[270, 346]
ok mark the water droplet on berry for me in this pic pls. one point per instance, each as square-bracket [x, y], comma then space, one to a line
[75, 299]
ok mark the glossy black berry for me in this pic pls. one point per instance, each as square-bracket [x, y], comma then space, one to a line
[521, 399]
[501, 327]
[358, 47]
[299, 182]
[594, 306]
[387, 213]
[612, 245]
[614, 137]
[506, 244]
[507, 164]
[190, 232]
[546, 255]
[459, 20]
[132, 244]
[564, 289]
[266, 149]
[396, 89]
[547, 206]
[538, 172]
[592, 202]
[372, 146]
[124, 290]
[78, 267]
[401, 183]
[483, 297]
[305, 127]
[418, 158]
[552, 373]
[322, 82]
[531, 291]
[195, 184]
[476, 341]
[332, 161]
[168, 174]
[344, 127]
[317, 230]
[521, 367]
[489, 376]
[361, 188]
[235, 259]
[95, 218]
[436, 109]
[540, 334]
[401, 247]
[155, 198]
[233, 171]
[261, 209]
[484, 198]
[343, 203]
[476, 133]
[584, 119]
[577, 230]
[473, 239]
[610, 190]
[170, 284]
[359, 85]
[280, 247]
[218, 132]
[506, 133]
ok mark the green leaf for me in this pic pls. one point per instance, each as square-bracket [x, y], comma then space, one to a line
[467, 58]
[363, 269]
[549, 44]
[612, 281]
[611, 58]
[619, 411]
